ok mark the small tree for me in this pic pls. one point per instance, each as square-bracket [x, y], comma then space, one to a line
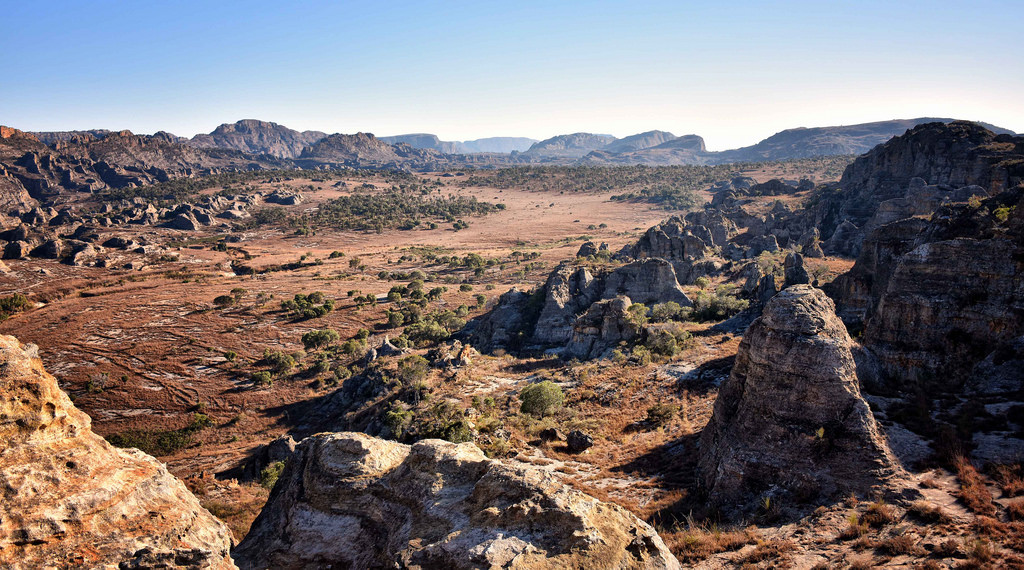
[541, 399]
[315, 339]
[412, 369]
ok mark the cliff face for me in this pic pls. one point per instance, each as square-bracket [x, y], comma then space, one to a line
[937, 297]
[790, 421]
[915, 173]
[72, 500]
[349, 500]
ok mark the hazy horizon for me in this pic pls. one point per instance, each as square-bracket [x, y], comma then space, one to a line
[732, 74]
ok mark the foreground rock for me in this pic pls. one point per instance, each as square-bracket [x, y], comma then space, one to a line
[348, 500]
[72, 500]
[790, 423]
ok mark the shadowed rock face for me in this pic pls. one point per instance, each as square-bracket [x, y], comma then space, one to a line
[790, 422]
[936, 297]
[353, 501]
[72, 500]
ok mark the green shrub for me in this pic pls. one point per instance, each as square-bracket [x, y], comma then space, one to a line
[663, 312]
[659, 415]
[13, 304]
[315, 339]
[281, 362]
[262, 378]
[541, 399]
[718, 306]
[270, 474]
[662, 342]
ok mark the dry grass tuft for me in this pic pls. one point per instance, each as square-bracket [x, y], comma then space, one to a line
[1015, 510]
[699, 542]
[1010, 479]
[928, 512]
[973, 492]
[855, 528]
[769, 550]
[905, 543]
[879, 514]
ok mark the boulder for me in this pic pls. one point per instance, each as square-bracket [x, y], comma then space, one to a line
[348, 500]
[73, 500]
[578, 442]
[794, 270]
[761, 244]
[587, 249]
[604, 325]
[568, 292]
[648, 281]
[186, 222]
[790, 422]
[50, 249]
[500, 328]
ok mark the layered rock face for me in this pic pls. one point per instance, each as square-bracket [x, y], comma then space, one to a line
[348, 500]
[913, 174]
[935, 298]
[72, 500]
[790, 422]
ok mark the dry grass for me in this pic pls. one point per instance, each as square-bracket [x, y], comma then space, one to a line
[905, 543]
[879, 514]
[768, 550]
[855, 528]
[699, 542]
[1010, 479]
[928, 512]
[973, 491]
[1015, 510]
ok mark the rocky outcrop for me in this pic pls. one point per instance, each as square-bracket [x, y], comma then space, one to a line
[501, 327]
[568, 292]
[348, 500]
[73, 500]
[794, 269]
[936, 298]
[604, 325]
[258, 137]
[790, 422]
[646, 281]
[913, 174]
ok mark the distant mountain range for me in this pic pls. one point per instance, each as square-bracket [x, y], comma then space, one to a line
[500, 145]
[263, 143]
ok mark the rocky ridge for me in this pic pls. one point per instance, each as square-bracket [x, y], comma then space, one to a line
[258, 137]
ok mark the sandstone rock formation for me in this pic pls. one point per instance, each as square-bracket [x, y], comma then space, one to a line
[790, 422]
[604, 325]
[349, 500]
[935, 298]
[72, 500]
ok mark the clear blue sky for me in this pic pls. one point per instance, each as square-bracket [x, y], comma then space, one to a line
[733, 72]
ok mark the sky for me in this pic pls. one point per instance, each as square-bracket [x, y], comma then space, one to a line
[732, 72]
